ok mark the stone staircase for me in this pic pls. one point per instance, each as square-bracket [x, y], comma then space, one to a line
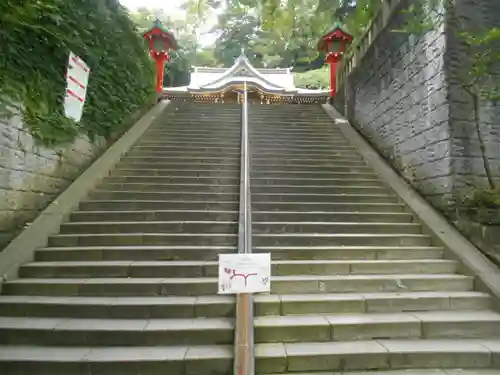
[129, 284]
[357, 285]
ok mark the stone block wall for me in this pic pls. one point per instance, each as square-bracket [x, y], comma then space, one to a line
[31, 176]
[405, 97]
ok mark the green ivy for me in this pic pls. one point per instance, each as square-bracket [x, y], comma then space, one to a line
[36, 37]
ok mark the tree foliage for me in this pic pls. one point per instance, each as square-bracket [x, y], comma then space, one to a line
[35, 40]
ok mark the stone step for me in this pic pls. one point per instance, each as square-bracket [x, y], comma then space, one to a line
[259, 160]
[134, 253]
[109, 186]
[195, 196]
[351, 252]
[227, 165]
[165, 215]
[323, 239]
[299, 154]
[229, 148]
[352, 176]
[115, 332]
[306, 181]
[326, 142]
[318, 227]
[147, 360]
[175, 226]
[182, 158]
[313, 189]
[304, 198]
[376, 355]
[177, 180]
[199, 172]
[377, 326]
[211, 152]
[187, 150]
[163, 307]
[386, 302]
[137, 239]
[273, 216]
[319, 216]
[120, 205]
[155, 253]
[224, 306]
[293, 135]
[326, 149]
[311, 168]
[327, 206]
[448, 371]
[201, 286]
[79, 269]
[166, 143]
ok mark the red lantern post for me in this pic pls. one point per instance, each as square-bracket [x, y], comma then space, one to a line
[160, 41]
[334, 45]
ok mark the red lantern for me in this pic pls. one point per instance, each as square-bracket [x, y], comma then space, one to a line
[160, 40]
[334, 45]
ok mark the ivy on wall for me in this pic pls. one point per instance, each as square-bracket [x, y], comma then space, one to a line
[36, 37]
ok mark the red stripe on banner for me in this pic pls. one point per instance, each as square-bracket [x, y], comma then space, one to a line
[77, 62]
[70, 92]
[71, 78]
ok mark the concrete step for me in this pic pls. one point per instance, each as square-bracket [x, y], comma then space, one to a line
[326, 142]
[328, 239]
[183, 172]
[174, 226]
[384, 302]
[351, 252]
[312, 168]
[166, 215]
[175, 180]
[300, 154]
[195, 196]
[79, 269]
[284, 181]
[224, 306]
[320, 216]
[181, 158]
[112, 287]
[144, 360]
[310, 175]
[227, 165]
[474, 371]
[377, 326]
[133, 253]
[163, 307]
[258, 160]
[200, 286]
[193, 133]
[121, 205]
[109, 186]
[326, 149]
[115, 332]
[304, 197]
[318, 227]
[229, 148]
[312, 189]
[137, 239]
[376, 355]
[327, 206]
[209, 152]
[182, 142]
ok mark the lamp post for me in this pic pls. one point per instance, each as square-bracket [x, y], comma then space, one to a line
[334, 45]
[160, 40]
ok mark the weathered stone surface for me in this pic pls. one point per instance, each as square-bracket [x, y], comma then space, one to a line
[32, 175]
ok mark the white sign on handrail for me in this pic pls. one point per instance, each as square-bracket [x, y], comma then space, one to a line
[244, 273]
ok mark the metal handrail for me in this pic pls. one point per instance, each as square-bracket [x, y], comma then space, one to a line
[244, 360]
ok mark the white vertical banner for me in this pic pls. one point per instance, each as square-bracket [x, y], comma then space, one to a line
[77, 78]
[244, 273]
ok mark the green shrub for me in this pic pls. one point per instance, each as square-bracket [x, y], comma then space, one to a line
[318, 79]
[36, 37]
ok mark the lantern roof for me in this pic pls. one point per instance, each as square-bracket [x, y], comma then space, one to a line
[337, 32]
[159, 28]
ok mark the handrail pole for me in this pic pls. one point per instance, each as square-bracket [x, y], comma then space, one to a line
[244, 361]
